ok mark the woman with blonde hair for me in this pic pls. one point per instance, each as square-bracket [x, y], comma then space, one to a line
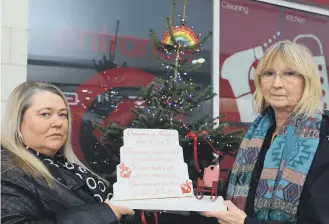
[42, 181]
[281, 171]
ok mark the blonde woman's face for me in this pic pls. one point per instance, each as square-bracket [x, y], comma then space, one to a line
[282, 87]
[45, 124]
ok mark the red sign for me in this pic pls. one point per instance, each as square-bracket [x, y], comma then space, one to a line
[247, 28]
[124, 46]
[102, 82]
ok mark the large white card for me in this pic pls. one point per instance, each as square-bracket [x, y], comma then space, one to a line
[175, 204]
[152, 174]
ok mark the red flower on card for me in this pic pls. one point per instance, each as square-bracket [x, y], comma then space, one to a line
[125, 171]
[186, 187]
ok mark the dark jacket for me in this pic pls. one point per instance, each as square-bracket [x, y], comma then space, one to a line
[25, 199]
[314, 202]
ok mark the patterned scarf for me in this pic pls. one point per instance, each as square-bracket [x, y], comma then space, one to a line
[96, 186]
[286, 165]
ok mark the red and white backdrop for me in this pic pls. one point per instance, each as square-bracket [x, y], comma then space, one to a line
[247, 28]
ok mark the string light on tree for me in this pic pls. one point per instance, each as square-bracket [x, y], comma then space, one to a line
[198, 61]
[172, 100]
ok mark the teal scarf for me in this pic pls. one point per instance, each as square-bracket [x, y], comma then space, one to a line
[286, 165]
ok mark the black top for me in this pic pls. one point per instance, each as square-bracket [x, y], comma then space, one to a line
[26, 199]
[314, 202]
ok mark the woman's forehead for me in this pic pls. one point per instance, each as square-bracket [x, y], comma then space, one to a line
[280, 61]
[46, 99]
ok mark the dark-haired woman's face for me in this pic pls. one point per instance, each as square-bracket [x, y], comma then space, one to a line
[45, 124]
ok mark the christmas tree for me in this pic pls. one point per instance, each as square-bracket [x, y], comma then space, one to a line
[169, 103]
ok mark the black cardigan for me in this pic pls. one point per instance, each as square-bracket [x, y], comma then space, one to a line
[25, 199]
[314, 202]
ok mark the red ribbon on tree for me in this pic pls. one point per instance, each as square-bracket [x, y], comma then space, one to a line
[156, 220]
[194, 136]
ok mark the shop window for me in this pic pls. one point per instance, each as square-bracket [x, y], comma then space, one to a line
[66, 36]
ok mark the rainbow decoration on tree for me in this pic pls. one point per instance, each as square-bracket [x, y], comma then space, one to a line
[178, 38]
[176, 46]
[183, 35]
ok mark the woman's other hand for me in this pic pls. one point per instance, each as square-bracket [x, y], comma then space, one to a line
[119, 210]
[233, 216]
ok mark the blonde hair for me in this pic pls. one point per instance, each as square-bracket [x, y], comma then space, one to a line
[299, 58]
[11, 138]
